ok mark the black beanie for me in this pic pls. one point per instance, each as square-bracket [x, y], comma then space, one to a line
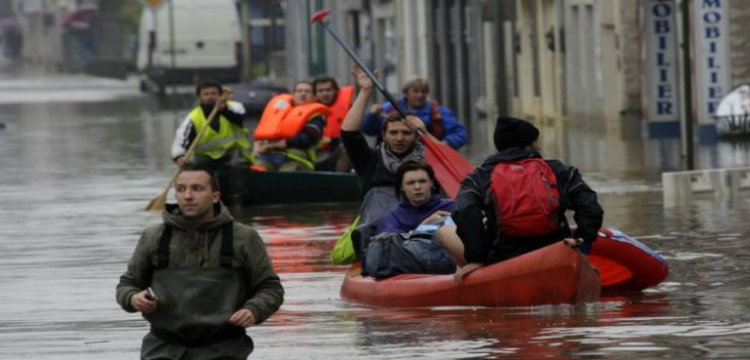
[511, 132]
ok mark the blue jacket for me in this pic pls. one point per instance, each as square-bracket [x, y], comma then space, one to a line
[405, 217]
[454, 131]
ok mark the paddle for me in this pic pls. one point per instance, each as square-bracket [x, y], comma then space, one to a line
[450, 167]
[160, 200]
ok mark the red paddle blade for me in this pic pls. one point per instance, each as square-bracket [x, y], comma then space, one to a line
[610, 272]
[319, 15]
[450, 167]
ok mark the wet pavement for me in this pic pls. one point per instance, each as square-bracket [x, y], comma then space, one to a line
[79, 158]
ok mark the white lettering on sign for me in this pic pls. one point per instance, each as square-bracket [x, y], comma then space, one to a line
[712, 68]
[662, 96]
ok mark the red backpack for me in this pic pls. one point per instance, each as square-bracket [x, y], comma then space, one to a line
[526, 197]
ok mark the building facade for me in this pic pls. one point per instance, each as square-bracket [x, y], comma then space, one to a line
[74, 35]
[606, 69]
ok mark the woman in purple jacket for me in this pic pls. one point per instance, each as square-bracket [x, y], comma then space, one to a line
[421, 202]
[406, 234]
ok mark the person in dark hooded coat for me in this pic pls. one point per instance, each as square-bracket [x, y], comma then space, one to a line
[200, 278]
[475, 238]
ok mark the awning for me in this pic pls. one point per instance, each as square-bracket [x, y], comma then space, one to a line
[79, 19]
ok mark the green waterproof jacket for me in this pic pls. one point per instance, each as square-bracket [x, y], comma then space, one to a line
[199, 247]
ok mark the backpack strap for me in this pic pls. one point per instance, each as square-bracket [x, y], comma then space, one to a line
[162, 252]
[227, 245]
[226, 253]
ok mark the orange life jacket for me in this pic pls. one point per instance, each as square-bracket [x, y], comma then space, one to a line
[281, 119]
[339, 108]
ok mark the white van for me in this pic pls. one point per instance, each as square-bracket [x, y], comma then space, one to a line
[206, 43]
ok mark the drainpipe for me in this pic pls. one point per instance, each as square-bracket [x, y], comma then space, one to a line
[501, 88]
[172, 59]
[687, 117]
[245, 38]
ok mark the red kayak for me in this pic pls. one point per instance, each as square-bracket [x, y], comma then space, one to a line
[625, 264]
[555, 274]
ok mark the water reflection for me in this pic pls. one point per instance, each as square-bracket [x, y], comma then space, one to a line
[619, 151]
[299, 237]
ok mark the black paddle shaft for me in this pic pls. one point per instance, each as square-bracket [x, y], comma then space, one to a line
[362, 66]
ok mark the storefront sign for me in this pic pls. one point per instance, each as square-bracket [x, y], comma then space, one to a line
[662, 95]
[712, 67]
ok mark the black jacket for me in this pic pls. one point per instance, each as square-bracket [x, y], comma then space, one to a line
[366, 161]
[475, 212]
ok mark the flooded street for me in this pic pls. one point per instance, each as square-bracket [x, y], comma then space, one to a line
[79, 158]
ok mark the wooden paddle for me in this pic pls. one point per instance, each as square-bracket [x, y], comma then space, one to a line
[450, 167]
[160, 200]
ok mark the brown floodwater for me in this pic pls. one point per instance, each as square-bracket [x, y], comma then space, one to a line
[79, 157]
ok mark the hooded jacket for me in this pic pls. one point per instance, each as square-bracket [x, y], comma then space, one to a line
[199, 247]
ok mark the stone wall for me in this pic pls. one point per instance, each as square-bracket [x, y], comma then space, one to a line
[630, 56]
